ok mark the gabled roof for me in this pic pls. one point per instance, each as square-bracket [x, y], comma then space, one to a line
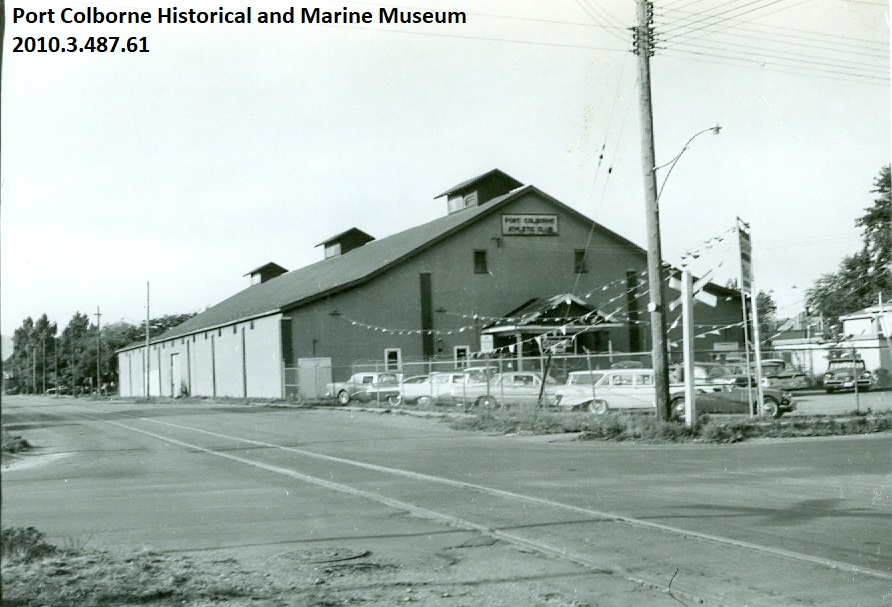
[267, 266]
[350, 232]
[330, 276]
[564, 310]
[488, 176]
[869, 312]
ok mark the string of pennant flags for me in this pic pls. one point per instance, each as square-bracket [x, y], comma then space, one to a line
[568, 322]
[712, 243]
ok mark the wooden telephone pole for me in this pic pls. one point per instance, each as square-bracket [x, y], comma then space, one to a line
[643, 43]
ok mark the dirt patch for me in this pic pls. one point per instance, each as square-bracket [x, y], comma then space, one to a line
[479, 572]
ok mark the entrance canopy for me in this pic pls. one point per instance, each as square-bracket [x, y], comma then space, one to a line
[550, 321]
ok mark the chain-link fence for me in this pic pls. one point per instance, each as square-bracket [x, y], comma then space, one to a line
[374, 380]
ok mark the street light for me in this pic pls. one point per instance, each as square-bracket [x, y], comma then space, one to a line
[671, 164]
[655, 260]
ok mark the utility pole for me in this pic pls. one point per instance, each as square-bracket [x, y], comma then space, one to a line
[643, 43]
[73, 365]
[98, 351]
[147, 344]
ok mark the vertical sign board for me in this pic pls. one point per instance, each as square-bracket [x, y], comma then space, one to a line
[746, 287]
[746, 263]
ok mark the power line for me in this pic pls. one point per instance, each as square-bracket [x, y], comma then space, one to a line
[714, 16]
[797, 70]
[794, 57]
[784, 33]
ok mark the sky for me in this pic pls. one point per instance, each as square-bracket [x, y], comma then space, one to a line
[227, 146]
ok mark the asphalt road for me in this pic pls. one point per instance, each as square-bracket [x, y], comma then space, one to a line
[817, 402]
[804, 521]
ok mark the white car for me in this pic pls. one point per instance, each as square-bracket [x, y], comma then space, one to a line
[508, 388]
[602, 390]
[435, 388]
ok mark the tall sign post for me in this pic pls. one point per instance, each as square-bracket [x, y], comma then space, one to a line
[690, 291]
[687, 327]
[745, 249]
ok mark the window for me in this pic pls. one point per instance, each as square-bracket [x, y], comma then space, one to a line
[234, 329]
[392, 359]
[579, 266]
[621, 379]
[252, 325]
[480, 266]
[643, 379]
[461, 354]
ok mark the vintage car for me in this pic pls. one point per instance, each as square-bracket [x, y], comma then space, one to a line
[847, 374]
[379, 386]
[733, 399]
[435, 388]
[776, 373]
[508, 388]
[603, 390]
[706, 374]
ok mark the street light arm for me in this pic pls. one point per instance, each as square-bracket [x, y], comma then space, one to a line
[671, 164]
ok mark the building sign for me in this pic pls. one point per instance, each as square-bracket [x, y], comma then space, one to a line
[529, 225]
[486, 344]
[746, 264]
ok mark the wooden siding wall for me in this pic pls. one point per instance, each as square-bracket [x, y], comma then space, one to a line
[521, 268]
[218, 362]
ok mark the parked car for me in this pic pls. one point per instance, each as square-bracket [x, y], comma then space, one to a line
[776, 373]
[509, 388]
[734, 399]
[601, 391]
[435, 388]
[707, 374]
[842, 374]
[367, 386]
[61, 390]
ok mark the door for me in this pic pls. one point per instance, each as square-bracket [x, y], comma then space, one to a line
[621, 391]
[176, 376]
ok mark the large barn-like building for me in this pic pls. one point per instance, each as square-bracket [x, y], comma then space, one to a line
[508, 267]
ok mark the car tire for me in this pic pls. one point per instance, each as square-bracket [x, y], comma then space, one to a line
[598, 407]
[865, 389]
[343, 397]
[770, 408]
[828, 390]
[677, 408]
[487, 402]
[394, 400]
[423, 401]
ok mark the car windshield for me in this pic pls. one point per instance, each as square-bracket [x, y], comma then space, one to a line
[420, 379]
[716, 371]
[846, 364]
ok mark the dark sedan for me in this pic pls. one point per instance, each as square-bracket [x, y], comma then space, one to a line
[735, 399]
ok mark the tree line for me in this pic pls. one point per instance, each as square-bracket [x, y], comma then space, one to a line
[866, 276]
[78, 360]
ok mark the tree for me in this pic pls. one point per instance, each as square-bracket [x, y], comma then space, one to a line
[77, 349]
[864, 276]
[766, 307]
[33, 351]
